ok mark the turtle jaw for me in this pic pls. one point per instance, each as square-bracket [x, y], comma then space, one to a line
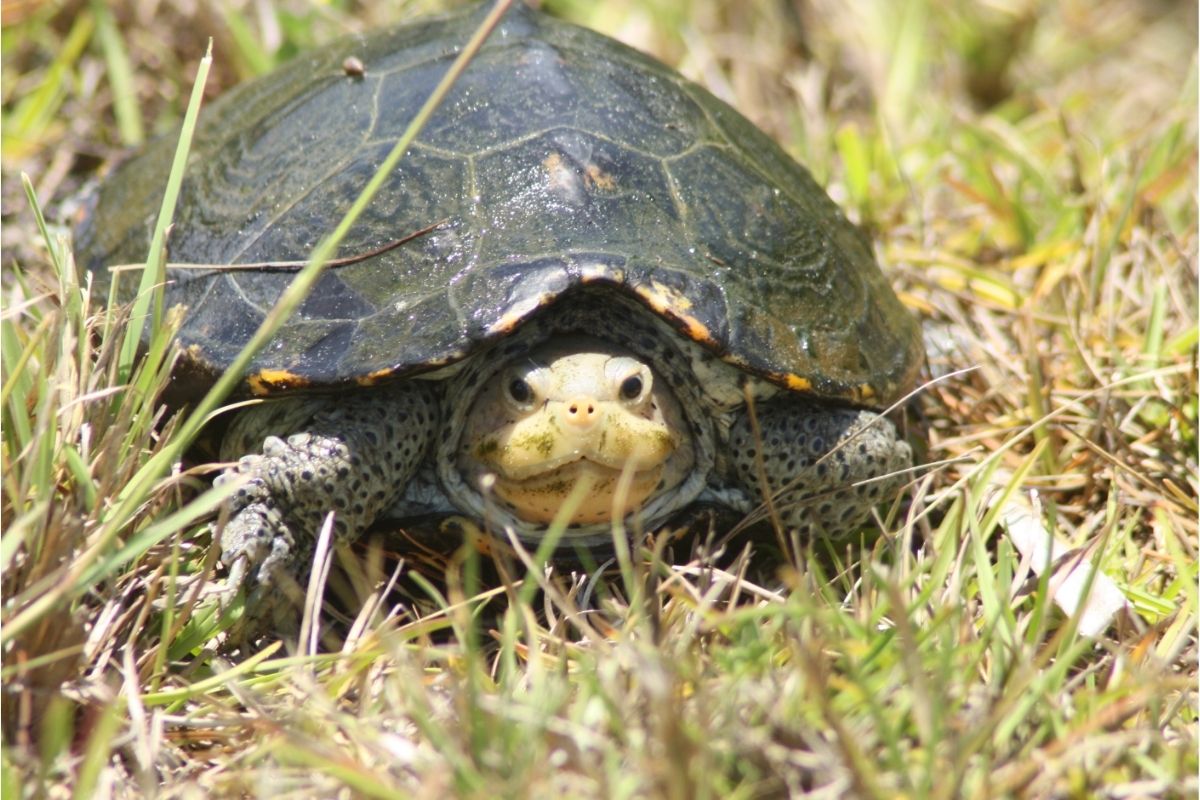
[538, 461]
[606, 492]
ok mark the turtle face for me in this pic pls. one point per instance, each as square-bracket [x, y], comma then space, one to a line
[576, 409]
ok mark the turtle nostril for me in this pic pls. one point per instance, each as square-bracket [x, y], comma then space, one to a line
[581, 412]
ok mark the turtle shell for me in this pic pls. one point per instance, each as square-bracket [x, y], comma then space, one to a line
[560, 160]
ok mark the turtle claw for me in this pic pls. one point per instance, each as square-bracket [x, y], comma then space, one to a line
[258, 550]
[256, 540]
[227, 590]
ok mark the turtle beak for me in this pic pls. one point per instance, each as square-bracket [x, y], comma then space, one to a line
[563, 431]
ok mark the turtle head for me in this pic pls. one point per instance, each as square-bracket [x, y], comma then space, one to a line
[574, 409]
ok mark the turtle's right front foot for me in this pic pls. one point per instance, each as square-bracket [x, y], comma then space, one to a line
[255, 542]
[278, 512]
[349, 456]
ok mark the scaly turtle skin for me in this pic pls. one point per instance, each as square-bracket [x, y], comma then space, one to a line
[622, 262]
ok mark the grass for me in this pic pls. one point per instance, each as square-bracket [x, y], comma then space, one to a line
[1029, 172]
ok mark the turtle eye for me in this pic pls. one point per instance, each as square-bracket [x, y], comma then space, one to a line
[520, 391]
[631, 387]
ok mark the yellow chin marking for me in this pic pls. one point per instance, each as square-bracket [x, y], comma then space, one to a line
[538, 498]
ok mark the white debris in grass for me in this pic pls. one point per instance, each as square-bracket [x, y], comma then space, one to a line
[1096, 605]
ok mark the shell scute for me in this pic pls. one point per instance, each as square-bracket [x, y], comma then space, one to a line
[561, 162]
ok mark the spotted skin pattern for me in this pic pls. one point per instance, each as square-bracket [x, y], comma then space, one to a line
[812, 458]
[349, 455]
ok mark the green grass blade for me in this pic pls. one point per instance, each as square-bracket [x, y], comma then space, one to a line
[148, 305]
[120, 76]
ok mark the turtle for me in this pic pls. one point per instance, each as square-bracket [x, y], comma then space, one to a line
[587, 275]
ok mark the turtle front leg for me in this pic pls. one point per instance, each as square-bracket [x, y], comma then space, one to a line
[350, 455]
[812, 456]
